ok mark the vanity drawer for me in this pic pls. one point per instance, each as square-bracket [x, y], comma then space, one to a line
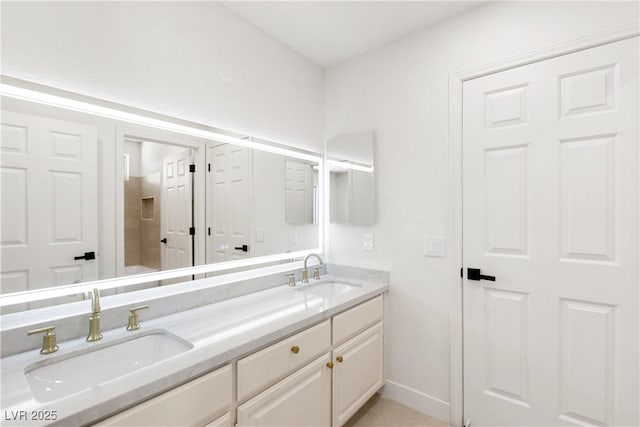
[357, 319]
[192, 404]
[261, 369]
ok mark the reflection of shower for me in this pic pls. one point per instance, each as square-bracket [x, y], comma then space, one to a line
[146, 214]
[141, 211]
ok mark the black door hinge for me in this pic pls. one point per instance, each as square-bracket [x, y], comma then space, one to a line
[209, 231]
[192, 231]
[192, 168]
[209, 167]
[461, 273]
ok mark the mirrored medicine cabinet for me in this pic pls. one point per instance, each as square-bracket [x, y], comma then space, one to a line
[89, 197]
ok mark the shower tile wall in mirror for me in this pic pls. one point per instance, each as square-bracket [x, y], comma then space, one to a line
[87, 198]
[350, 159]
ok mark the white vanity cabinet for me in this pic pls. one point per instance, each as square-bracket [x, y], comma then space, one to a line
[318, 377]
[196, 403]
[358, 356]
[358, 373]
[325, 392]
[302, 399]
[261, 369]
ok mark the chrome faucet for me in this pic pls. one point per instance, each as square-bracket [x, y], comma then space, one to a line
[316, 272]
[94, 318]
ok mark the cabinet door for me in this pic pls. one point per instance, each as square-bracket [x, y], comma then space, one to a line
[358, 373]
[223, 421]
[301, 399]
[191, 404]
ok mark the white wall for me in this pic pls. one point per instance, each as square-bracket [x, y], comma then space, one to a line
[194, 60]
[401, 92]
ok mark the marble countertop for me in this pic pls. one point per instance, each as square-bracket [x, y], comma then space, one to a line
[220, 332]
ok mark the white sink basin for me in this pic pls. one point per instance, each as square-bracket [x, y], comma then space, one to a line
[58, 377]
[327, 289]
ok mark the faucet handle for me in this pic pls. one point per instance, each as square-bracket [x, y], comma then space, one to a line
[133, 324]
[292, 279]
[48, 340]
[316, 274]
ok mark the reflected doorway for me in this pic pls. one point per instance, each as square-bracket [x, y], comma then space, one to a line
[158, 206]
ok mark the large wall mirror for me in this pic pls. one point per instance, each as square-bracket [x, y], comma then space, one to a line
[88, 197]
[350, 160]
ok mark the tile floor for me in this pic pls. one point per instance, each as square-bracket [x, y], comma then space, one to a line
[379, 411]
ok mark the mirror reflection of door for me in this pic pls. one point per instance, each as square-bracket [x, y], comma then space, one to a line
[228, 208]
[158, 207]
[299, 190]
[177, 207]
[48, 167]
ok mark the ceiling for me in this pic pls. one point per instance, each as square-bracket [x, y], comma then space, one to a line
[327, 32]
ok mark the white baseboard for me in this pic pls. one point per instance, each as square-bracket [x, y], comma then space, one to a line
[417, 400]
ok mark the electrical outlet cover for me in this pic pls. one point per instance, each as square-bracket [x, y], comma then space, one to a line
[367, 242]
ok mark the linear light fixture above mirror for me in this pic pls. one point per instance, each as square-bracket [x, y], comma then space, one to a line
[191, 129]
[346, 164]
[27, 91]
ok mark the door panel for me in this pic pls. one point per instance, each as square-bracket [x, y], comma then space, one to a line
[550, 178]
[299, 192]
[228, 204]
[47, 166]
[176, 213]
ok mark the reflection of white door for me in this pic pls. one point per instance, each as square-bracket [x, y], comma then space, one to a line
[550, 157]
[227, 203]
[49, 202]
[299, 192]
[176, 216]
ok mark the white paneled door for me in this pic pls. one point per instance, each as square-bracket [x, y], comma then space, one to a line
[550, 176]
[50, 203]
[227, 203]
[299, 192]
[176, 213]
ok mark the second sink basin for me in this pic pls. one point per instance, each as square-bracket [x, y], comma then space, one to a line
[58, 377]
[327, 289]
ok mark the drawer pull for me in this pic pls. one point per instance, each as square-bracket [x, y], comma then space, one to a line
[330, 365]
[295, 349]
[339, 359]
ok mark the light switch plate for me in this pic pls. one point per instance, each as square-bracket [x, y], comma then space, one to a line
[368, 242]
[434, 246]
[259, 235]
